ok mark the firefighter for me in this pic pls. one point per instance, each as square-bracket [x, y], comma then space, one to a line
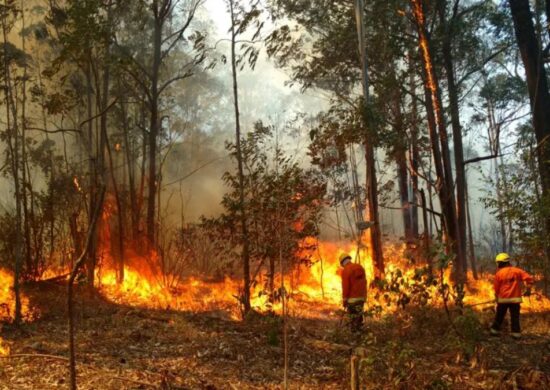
[354, 291]
[508, 285]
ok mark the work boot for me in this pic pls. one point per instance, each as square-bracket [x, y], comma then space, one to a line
[494, 332]
[516, 335]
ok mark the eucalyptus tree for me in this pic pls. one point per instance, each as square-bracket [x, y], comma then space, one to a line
[319, 46]
[529, 42]
[13, 61]
[168, 24]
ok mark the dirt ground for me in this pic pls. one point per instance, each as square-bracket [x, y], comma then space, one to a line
[120, 347]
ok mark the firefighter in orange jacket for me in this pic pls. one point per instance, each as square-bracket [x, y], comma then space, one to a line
[354, 291]
[508, 285]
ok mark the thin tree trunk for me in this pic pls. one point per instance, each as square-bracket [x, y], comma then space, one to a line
[471, 249]
[415, 158]
[154, 125]
[78, 264]
[134, 213]
[448, 62]
[426, 241]
[31, 271]
[13, 134]
[368, 143]
[92, 252]
[244, 228]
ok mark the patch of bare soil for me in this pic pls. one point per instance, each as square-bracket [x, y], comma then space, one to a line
[120, 347]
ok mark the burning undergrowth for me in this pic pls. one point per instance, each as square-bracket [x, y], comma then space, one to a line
[312, 289]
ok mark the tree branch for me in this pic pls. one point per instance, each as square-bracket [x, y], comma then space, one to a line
[477, 159]
[99, 114]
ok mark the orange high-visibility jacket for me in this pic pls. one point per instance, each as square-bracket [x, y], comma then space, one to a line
[354, 283]
[508, 283]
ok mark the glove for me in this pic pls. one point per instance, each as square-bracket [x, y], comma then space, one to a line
[527, 292]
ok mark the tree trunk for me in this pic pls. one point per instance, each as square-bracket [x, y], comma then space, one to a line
[134, 212]
[426, 240]
[471, 249]
[402, 170]
[14, 160]
[74, 272]
[403, 180]
[371, 181]
[415, 158]
[31, 271]
[92, 252]
[154, 129]
[439, 142]
[457, 132]
[372, 212]
[537, 84]
[244, 227]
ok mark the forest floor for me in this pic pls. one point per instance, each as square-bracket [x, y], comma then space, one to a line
[121, 347]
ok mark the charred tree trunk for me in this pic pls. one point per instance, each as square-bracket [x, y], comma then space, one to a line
[245, 255]
[439, 141]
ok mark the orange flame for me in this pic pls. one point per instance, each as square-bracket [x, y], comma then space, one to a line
[77, 184]
[7, 299]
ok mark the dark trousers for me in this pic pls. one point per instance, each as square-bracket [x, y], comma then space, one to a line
[355, 313]
[502, 308]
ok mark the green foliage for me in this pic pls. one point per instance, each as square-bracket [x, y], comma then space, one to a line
[283, 201]
[522, 204]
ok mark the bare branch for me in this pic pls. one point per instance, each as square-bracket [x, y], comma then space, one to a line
[477, 159]
[179, 34]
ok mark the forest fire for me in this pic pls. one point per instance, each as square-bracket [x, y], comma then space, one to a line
[313, 290]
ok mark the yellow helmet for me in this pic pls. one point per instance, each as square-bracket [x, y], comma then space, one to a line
[502, 258]
[343, 257]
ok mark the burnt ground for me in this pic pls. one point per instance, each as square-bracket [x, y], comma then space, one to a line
[120, 347]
